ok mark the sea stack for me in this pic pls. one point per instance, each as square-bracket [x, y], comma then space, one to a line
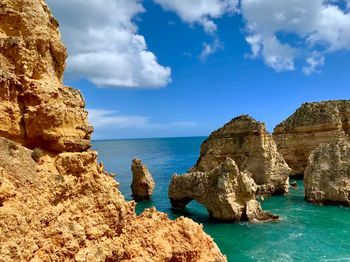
[142, 182]
[227, 193]
[56, 202]
[311, 125]
[327, 176]
[247, 142]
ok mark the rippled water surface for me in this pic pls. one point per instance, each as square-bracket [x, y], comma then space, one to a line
[306, 233]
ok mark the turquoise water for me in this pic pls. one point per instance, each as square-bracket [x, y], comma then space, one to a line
[306, 233]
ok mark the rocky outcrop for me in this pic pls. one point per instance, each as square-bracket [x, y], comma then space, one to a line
[227, 193]
[36, 110]
[56, 202]
[311, 125]
[247, 142]
[327, 176]
[142, 182]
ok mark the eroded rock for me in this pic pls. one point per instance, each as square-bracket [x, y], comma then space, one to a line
[247, 142]
[142, 182]
[327, 176]
[227, 193]
[36, 110]
[57, 203]
[311, 125]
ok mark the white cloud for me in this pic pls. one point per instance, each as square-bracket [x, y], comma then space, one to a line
[209, 49]
[202, 12]
[317, 26]
[313, 64]
[113, 124]
[104, 45]
[104, 118]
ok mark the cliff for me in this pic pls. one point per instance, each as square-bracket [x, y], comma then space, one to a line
[247, 142]
[311, 125]
[327, 176]
[56, 201]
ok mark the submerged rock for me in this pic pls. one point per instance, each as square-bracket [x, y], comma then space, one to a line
[57, 203]
[311, 125]
[142, 182]
[228, 194]
[294, 184]
[247, 142]
[327, 176]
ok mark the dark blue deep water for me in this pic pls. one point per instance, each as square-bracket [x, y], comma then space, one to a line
[306, 233]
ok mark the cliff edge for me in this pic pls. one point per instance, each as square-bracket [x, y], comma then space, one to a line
[56, 201]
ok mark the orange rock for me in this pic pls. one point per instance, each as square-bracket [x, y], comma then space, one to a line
[56, 202]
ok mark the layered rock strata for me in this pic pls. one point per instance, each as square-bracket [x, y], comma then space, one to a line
[56, 202]
[142, 181]
[327, 176]
[311, 125]
[247, 142]
[227, 193]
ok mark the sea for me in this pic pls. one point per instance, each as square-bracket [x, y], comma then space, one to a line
[306, 232]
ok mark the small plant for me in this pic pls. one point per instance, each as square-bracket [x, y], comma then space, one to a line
[37, 154]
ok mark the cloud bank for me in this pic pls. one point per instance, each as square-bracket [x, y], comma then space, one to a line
[283, 31]
[279, 32]
[202, 12]
[104, 45]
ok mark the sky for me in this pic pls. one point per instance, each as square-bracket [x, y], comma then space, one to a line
[168, 68]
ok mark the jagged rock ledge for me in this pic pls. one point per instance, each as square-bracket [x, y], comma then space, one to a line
[56, 202]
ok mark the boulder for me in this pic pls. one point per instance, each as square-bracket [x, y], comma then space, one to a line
[247, 142]
[327, 176]
[142, 182]
[227, 193]
[311, 125]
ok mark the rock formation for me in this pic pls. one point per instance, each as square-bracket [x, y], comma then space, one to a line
[327, 176]
[56, 202]
[142, 182]
[227, 194]
[311, 125]
[247, 142]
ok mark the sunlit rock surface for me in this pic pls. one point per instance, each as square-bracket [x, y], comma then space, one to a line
[227, 193]
[247, 142]
[56, 201]
[327, 176]
[311, 125]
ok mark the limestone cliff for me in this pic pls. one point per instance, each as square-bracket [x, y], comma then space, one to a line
[56, 202]
[35, 109]
[311, 125]
[327, 176]
[227, 193]
[247, 142]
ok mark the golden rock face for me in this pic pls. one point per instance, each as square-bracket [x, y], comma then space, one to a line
[56, 201]
[327, 176]
[247, 142]
[35, 108]
[227, 193]
[311, 125]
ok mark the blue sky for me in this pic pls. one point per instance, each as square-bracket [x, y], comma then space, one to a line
[221, 63]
